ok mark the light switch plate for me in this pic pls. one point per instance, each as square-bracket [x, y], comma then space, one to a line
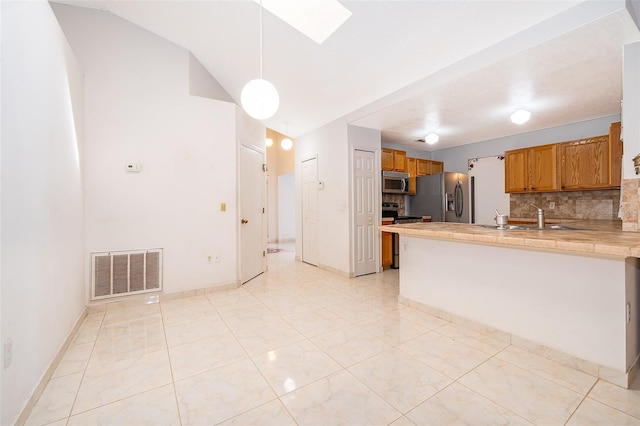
[8, 352]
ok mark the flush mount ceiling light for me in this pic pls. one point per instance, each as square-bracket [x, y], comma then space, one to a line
[259, 97]
[286, 144]
[269, 142]
[431, 138]
[521, 116]
[317, 19]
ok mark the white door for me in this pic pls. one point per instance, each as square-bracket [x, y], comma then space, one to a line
[252, 214]
[364, 203]
[310, 211]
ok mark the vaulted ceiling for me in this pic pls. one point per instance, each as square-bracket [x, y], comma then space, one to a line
[458, 68]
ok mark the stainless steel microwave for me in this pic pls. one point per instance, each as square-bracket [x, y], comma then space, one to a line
[395, 182]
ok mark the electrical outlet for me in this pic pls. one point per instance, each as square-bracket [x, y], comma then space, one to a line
[216, 258]
[552, 205]
[8, 352]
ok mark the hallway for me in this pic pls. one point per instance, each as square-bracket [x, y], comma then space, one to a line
[299, 345]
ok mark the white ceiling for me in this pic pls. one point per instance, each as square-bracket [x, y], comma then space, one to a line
[458, 68]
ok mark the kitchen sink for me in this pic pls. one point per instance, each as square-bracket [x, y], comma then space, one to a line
[563, 228]
[534, 227]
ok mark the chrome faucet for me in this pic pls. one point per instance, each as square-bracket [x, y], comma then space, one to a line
[540, 216]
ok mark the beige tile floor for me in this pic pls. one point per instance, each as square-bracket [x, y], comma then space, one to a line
[298, 345]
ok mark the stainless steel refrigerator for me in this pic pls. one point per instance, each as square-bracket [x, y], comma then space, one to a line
[443, 196]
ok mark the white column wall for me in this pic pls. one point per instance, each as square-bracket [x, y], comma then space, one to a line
[42, 267]
[329, 144]
[138, 109]
[575, 304]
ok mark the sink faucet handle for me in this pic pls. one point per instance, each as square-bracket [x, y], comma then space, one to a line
[540, 216]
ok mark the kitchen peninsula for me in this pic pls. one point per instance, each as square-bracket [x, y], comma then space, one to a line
[568, 295]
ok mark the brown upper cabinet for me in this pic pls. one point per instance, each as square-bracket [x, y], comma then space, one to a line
[420, 167]
[429, 167]
[412, 170]
[436, 167]
[531, 169]
[591, 163]
[423, 167]
[393, 159]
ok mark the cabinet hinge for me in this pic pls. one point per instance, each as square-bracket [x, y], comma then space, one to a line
[264, 253]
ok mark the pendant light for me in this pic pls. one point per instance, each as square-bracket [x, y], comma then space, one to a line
[286, 143]
[259, 97]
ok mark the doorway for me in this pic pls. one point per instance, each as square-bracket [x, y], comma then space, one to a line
[252, 214]
[365, 213]
[310, 211]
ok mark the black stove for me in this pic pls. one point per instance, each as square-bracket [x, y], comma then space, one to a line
[407, 219]
[391, 210]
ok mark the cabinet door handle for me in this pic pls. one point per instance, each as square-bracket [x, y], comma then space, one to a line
[244, 221]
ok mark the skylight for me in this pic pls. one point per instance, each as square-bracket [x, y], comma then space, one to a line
[317, 19]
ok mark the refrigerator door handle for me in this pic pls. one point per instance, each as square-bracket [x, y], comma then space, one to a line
[459, 197]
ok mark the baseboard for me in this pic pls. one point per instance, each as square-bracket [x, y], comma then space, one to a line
[138, 299]
[335, 271]
[42, 384]
[619, 378]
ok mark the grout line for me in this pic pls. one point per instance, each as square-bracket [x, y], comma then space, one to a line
[173, 380]
[84, 370]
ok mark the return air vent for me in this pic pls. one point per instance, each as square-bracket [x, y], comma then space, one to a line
[119, 273]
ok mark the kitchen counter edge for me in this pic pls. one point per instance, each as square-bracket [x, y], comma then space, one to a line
[591, 241]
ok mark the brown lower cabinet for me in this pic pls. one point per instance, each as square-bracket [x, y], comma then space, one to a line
[387, 249]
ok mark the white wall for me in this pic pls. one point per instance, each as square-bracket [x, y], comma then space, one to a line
[138, 108]
[42, 215]
[286, 207]
[201, 83]
[329, 145]
[455, 159]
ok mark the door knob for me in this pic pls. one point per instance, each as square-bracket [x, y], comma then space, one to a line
[244, 221]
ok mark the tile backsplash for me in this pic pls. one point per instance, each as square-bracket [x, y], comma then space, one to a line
[630, 205]
[395, 198]
[603, 204]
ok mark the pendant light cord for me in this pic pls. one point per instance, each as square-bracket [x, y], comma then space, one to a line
[261, 40]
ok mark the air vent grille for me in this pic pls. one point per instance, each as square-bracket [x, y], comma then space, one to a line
[118, 273]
